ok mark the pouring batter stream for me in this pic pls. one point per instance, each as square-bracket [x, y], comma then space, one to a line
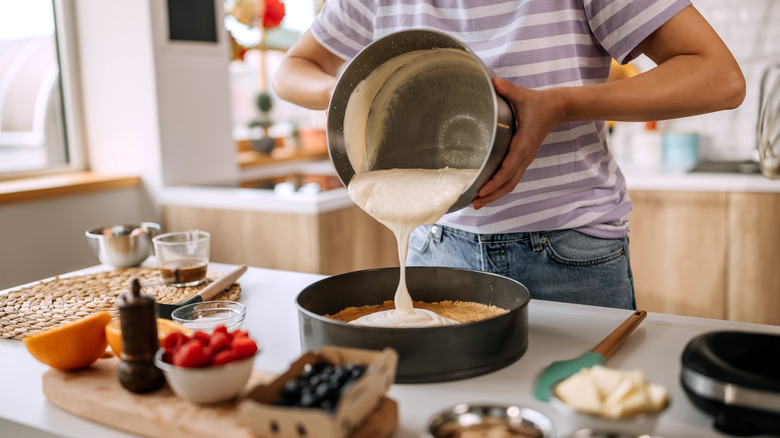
[402, 200]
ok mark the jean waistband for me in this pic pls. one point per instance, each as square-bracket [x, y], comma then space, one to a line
[534, 236]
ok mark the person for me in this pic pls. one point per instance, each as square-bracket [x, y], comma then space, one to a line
[555, 215]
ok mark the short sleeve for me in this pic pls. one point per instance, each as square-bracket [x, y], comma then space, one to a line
[620, 25]
[345, 27]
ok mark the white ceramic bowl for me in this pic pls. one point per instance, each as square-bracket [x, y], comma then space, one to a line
[207, 315]
[570, 421]
[207, 385]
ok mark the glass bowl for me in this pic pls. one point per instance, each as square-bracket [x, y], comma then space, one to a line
[207, 315]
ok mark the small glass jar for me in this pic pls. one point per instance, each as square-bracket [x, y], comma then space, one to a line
[207, 315]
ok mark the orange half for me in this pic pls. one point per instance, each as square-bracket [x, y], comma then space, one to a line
[72, 345]
[164, 328]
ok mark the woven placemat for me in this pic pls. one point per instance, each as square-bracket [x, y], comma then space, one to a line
[50, 303]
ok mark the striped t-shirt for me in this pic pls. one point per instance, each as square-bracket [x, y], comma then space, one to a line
[574, 182]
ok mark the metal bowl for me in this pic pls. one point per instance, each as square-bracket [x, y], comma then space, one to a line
[426, 354]
[122, 246]
[469, 418]
[444, 115]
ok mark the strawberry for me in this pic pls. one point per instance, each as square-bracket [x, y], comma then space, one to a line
[240, 333]
[203, 336]
[173, 341]
[223, 357]
[192, 354]
[219, 341]
[243, 346]
[167, 356]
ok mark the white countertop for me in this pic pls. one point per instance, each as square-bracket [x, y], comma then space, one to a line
[556, 331]
[233, 198]
[640, 179]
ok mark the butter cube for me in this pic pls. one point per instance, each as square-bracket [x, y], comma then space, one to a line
[635, 402]
[659, 396]
[612, 393]
[580, 392]
[606, 379]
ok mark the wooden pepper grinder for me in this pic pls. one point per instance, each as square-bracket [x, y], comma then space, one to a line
[138, 320]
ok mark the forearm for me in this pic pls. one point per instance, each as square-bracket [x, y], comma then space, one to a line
[303, 83]
[684, 85]
[307, 74]
[695, 74]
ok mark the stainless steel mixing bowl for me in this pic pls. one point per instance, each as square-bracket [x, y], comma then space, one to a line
[442, 116]
[122, 246]
[489, 420]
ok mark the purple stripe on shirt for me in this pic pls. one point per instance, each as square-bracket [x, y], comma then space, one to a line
[543, 55]
[553, 77]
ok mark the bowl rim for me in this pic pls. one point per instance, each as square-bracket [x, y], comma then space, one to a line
[460, 326]
[96, 232]
[201, 236]
[542, 421]
[224, 304]
[169, 367]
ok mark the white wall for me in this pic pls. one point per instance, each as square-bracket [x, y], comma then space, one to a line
[40, 239]
[151, 107]
[751, 29]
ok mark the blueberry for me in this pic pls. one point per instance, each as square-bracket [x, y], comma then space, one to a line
[307, 400]
[314, 380]
[292, 389]
[356, 372]
[328, 405]
[339, 376]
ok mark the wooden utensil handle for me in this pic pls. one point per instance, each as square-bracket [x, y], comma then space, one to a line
[614, 339]
[221, 283]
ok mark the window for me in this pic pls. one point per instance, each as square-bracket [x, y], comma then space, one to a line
[33, 130]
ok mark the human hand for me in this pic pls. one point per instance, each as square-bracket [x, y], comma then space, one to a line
[536, 114]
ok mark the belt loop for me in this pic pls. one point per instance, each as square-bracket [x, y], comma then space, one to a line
[536, 243]
[436, 230]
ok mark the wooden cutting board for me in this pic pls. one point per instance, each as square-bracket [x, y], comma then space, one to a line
[95, 394]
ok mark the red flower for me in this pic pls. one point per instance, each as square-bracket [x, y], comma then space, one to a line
[273, 14]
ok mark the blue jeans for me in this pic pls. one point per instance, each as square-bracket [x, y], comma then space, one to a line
[561, 265]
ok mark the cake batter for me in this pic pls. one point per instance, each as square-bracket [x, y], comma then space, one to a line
[402, 200]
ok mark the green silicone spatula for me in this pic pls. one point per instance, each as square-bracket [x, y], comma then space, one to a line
[562, 369]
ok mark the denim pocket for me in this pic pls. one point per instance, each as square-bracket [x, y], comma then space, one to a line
[579, 249]
[420, 238]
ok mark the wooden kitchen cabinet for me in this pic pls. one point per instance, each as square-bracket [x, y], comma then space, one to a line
[677, 242]
[327, 243]
[707, 254]
[754, 258]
